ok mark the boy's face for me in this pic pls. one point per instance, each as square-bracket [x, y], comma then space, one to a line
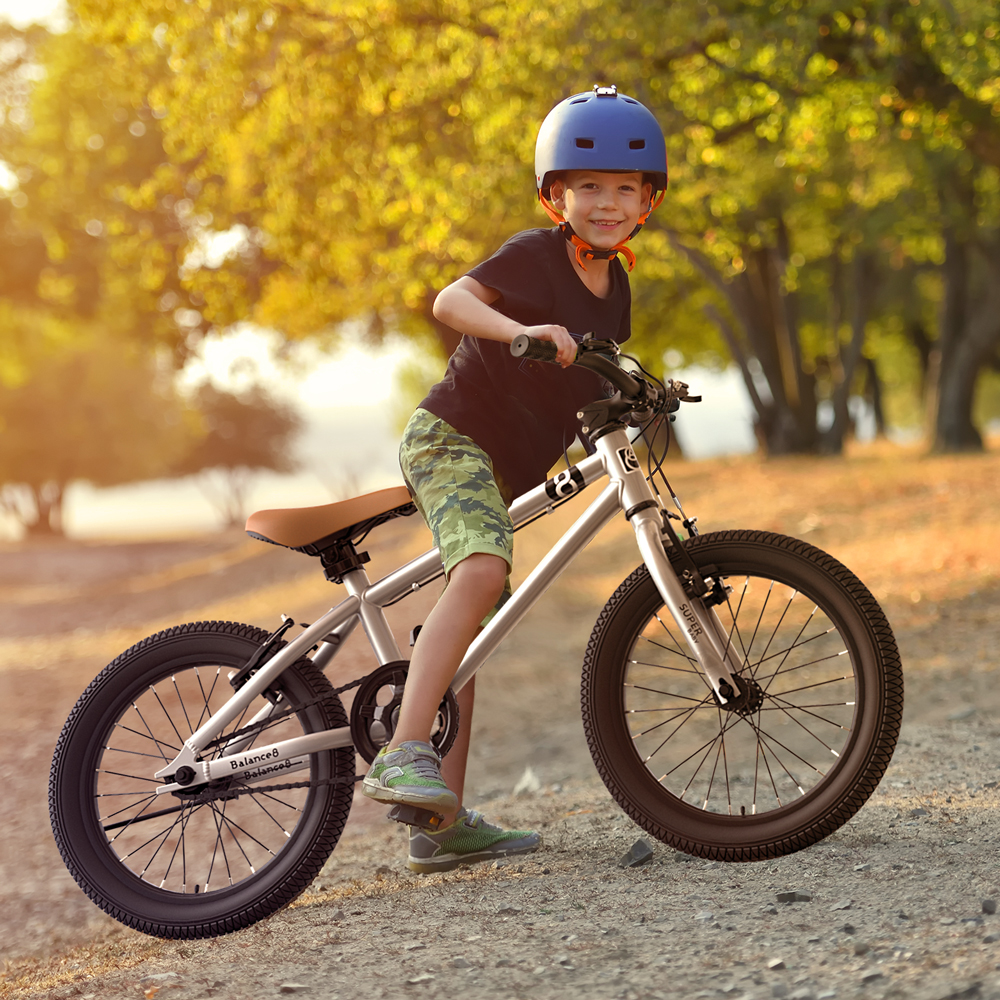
[602, 208]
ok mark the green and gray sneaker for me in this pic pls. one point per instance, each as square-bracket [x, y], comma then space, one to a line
[409, 773]
[468, 840]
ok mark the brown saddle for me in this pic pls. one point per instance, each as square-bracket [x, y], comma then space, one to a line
[315, 530]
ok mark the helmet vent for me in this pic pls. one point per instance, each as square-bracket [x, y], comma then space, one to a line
[629, 100]
[637, 144]
[585, 143]
[580, 100]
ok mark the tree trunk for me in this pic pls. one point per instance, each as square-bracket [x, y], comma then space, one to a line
[47, 498]
[768, 316]
[969, 336]
[863, 286]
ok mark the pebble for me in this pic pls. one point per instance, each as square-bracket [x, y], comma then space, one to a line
[704, 915]
[293, 988]
[844, 904]
[414, 946]
[871, 977]
[640, 853]
[776, 963]
[989, 906]
[528, 783]
[863, 868]
[918, 812]
[424, 977]
[459, 962]
[861, 947]
[159, 979]
[509, 911]
[795, 896]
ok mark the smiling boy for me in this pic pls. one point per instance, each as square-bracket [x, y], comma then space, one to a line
[495, 425]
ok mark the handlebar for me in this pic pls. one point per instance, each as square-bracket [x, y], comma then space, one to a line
[592, 354]
[524, 346]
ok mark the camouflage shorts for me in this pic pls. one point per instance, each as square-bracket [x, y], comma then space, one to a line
[457, 492]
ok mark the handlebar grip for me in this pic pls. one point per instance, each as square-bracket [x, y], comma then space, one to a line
[523, 346]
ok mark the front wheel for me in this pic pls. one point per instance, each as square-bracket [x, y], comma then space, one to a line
[803, 746]
[210, 859]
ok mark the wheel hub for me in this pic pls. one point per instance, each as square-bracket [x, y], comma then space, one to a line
[748, 699]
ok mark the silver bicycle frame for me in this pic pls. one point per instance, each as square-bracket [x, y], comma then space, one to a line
[627, 491]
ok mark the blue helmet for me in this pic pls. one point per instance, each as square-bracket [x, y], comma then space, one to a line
[602, 130]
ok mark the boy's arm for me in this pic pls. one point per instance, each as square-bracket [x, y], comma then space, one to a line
[465, 306]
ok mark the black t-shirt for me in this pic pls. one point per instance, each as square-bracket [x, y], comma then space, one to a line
[523, 413]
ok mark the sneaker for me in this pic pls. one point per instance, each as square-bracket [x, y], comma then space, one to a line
[409, 773]
[468, 840]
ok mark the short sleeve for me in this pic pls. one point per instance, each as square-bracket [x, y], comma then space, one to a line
[520, 272]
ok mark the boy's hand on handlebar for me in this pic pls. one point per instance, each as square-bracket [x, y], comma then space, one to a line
[558, 335]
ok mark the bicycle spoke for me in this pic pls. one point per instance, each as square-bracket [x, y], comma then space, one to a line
[742, 761]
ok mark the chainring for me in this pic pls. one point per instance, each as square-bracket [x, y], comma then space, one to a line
[375, 712]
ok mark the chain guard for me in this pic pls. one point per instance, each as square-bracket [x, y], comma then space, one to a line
[373, 721]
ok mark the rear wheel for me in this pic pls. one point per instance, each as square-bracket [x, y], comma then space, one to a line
[802, 747]
[214, 858]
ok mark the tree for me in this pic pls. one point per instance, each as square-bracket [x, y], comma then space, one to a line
[362, 152]
[77, 138]
[78, 406]
[243, 433]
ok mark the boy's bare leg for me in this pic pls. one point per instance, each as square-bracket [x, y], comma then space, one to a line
[453, 766]
[474, 586]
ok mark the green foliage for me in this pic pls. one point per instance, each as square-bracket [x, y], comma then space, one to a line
[304, 164]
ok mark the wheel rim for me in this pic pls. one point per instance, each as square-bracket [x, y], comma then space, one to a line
[791, 726]
[185, 845]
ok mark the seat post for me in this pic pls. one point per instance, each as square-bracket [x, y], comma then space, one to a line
[373, 619]
[340, 559]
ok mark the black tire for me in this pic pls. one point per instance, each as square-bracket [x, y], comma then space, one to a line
[205, 869]
[818, 656]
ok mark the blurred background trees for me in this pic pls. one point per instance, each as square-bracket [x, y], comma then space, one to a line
[241, 435]
[832, 226]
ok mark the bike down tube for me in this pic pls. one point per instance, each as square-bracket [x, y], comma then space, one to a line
[594, 518]
[259, 682]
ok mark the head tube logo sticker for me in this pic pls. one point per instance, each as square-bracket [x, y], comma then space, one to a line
[568, 482]
[627, 457]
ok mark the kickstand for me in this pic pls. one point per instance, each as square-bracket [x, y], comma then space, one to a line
[415, 816]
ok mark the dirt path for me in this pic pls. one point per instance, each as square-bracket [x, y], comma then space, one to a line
[896, 905]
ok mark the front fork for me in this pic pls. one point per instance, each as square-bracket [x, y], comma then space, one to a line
[703, 631]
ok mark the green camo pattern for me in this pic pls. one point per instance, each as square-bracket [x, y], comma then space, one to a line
[457, 492]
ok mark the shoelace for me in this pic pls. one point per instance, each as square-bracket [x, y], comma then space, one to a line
[425, 763]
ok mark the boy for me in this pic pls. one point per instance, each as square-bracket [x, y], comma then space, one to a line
[495, 425]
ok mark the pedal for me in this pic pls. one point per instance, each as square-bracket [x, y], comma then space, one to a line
[415, 816]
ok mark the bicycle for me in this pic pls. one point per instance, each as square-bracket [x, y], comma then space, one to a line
[741, 696]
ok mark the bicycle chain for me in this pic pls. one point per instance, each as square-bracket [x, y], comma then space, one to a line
[256, 727]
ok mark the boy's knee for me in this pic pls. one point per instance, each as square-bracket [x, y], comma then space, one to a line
[482, 572]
